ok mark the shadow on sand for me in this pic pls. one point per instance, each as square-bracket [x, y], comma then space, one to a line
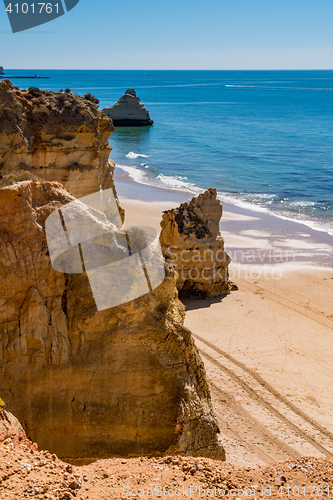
[192, 304]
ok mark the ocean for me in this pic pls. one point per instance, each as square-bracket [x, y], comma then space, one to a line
[263, 139]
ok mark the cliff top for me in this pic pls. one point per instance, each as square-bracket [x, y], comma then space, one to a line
[62, 109]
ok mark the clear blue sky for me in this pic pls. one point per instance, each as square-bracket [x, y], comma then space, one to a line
[177, 34]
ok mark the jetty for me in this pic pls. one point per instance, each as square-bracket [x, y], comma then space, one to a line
[3, 75]
[25, 77]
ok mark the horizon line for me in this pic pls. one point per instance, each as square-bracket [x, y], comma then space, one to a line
[163, 69]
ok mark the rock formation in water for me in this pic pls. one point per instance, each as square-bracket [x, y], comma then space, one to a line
[192, 242]
[8, 423]
[2, 71]
[129, 111]
[55, 136]
[86, 383]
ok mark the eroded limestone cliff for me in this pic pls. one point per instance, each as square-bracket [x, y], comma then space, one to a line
[126, 380]
[192, 242]
[56, 136]
[86, 383]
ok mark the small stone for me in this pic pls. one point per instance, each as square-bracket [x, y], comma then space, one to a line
[66, 495]
[74, 485]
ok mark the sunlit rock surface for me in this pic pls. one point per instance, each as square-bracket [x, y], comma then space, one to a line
[55, 136]
[192, 243]
[128, 111]
[85, 383]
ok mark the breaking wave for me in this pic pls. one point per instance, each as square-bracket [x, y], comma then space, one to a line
[135, 155]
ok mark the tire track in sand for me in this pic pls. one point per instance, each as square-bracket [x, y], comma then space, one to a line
[309, 313]
[244, 381]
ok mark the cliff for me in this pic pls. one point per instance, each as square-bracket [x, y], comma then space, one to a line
[129, 111]
[54, 136]
[9, 425]
[122, 381]
[119, 381]
[192, 243]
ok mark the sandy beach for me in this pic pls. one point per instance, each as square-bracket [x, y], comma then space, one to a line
[267, 346]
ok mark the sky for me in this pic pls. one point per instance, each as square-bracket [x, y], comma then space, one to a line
[176, 34]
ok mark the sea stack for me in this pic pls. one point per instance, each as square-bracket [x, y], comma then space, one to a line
[2, 71]
[192, 243]
[129, 111]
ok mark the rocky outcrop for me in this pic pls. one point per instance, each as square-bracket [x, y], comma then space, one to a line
[192, 243]
[8, 423]
[55, 136]
[117, 382]
[2, 71]
[129, 111]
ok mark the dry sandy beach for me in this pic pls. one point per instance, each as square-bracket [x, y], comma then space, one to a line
[267, 347]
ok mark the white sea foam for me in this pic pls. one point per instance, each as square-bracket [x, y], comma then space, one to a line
[302, 203]
[179, 183]
[175, 181]
[135, 155]
[135, 174]
[277, 88]
[322, 226]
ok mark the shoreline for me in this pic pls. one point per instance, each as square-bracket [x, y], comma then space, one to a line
[140, 177]
[251, 237]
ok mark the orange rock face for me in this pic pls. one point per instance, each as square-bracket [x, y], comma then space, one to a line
[122, 381]
[8, 423]
[86, 383]
[192, 242]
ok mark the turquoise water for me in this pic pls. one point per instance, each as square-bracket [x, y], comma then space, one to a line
[263, 138]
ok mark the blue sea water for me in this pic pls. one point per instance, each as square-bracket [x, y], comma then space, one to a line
[264, 139]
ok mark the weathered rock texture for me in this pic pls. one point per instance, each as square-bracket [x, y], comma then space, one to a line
[8, 423]
[129, 111]
[192, 242]
[56, 136]
[123, 381]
